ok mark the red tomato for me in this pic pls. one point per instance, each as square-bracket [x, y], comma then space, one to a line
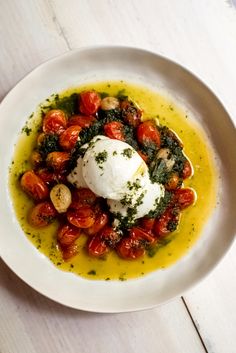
[50, 177]
[55, 121]
[130, 248]
[36, 158]
[130, 113]
[142, 235]
[147, 223]
[34, 186]
[67, 234]
[114, 130]
[58, 160]
[69, 251]
[162, 224]
[40, 138]
[89, 102]
[187, 171]
[82, 120]
[184, 197]
[143, 156]
[173, 182]
[100, 222]
[147, 133]
[42, 214]
[82, 196]
[97, 247]
[110, 236]
[82, 217]
[69, 137]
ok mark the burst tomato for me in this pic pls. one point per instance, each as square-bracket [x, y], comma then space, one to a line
[42, 214]
[82, 196]
[142, 235]
[173, 182]
[147, 223]
[82, 120]
[67, 234]
[100, 222]
[187, 171]
[69, 137]
[82, 217]
[89, 102]
[97, 247]
[110, 236]
[147, 133]
[166, 223]
[184, 197]
[34, 186]
[69, 251]
[55, 121]
[130, 113]
[50, 177]
[130, 249]
[114, 130]
[58, 161]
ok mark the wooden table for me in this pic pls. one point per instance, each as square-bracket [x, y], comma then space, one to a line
[199, 34]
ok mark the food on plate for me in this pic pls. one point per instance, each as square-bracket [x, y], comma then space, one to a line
[108, 184]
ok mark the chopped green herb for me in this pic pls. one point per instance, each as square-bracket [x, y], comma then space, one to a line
[127, 152]
[26, 130]
[92, 272]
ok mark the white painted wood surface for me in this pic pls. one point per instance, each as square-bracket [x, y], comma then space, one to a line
[201, 35]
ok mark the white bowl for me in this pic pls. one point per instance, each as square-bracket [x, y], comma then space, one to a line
[134, 65]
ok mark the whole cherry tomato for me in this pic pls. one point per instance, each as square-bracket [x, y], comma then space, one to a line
[100, 222]
[114, 130]
[147, 133]
[67, 234]
[42, 214]
[187, 171]
[89, 102]
[69, 137]
[142, 235]
[58, 160]
[82, 217]
[97, 247]
[82, 196]
[184, 197]
[82, 120]
[36, 158]
[50, 177]
[34, 186]
[166, 223]
[147, 223]
[130, 113]
[130, 248]
[55, 121]
[173, 182]
[69, 251]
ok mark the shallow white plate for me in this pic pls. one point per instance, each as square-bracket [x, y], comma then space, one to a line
[134, 65]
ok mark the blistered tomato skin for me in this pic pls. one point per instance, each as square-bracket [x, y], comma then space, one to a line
[55, 121]
[114, 130]
[130, 249]
[69, 251]
[82, 120]
[162, 224]
[89, 102]
[147, 133]
[184, 197]
[58, 161]
[42, 214]
[100, 222]
[34, 186]
[147, 223]
[67, 234]
[82, 217]
[187, 171]
[97, 247]
[69, 137]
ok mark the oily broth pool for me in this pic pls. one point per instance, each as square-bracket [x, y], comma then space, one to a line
[192, 220]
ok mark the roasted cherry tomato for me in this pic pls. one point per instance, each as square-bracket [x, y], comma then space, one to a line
[69, 251]
[173, 182]
[147, 223]
[114, 130]
[89, 102]
[82, 196]
[130, 248]
[130, 113]
[110, 236]
[166, 223]
[69, 137]
[67, 234]
[34, 186]
[143, 156]
[42, 214]
[142, 235]
[40, 138]
[147, 133]
[100, 222]
[55, 121]
[82, 217]
[82, 120]
[187, 171]
[184, 197]
[36, 158]
[58, 160]
[51, 177]
[97, 247]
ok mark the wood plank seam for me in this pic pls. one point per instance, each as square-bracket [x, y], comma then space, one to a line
[194, 324]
